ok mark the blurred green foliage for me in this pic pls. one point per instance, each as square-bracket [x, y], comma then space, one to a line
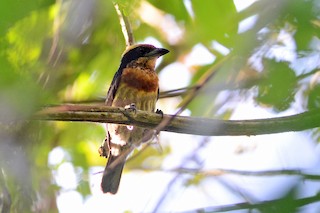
[58, 51]
[278, 87]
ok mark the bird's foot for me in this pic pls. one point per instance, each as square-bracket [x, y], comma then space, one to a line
[130, 111]
[131, 108]
[160, 112]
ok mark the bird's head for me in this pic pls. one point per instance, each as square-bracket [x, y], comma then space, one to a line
[142, 54]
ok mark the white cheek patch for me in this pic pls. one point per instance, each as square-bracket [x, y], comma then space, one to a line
[130, 128]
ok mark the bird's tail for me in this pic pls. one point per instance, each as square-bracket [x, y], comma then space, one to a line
[112, 174]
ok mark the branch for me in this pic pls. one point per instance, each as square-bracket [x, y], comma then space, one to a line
[220, 172]
[260, 205]
[125, 25]
[181, 124]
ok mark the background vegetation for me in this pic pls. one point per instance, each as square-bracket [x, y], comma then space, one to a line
[55, 52]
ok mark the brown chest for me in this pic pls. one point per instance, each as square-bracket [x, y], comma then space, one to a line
[140, 79]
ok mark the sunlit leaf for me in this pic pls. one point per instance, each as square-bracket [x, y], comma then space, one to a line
[214, 20]
[314, 98]
[279, 86]
[26, 38]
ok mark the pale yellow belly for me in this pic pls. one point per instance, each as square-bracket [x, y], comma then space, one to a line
[143, 100]
[123, 136]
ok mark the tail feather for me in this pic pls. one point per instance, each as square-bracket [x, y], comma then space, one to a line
[112, 174]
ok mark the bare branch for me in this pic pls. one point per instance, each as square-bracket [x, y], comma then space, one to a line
[181, 124]
[260, 205]
[220, 172]
[125, 26]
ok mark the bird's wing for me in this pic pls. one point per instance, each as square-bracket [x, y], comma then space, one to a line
[158, 94]
[113, 87]
[110, 96]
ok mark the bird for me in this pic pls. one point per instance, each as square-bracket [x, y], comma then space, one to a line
[136, 85]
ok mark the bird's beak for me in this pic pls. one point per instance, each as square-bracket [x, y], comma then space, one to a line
[157, 52]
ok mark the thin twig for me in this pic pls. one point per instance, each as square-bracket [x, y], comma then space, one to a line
[305, 75]
[186, 160]
[267, 205]
[220, 172]
[193, 93]
[125, 26]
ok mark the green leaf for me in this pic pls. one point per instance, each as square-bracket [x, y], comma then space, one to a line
[278, 88]
[175, 8]
[314, 98]
[214, 20]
